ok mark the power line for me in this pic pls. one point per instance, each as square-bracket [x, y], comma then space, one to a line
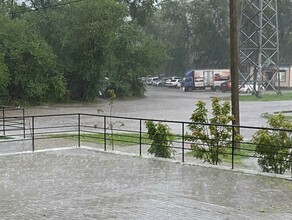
[58, 5]
[32, 9]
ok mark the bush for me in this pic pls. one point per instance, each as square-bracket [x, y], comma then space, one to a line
[211, 137]
[274, 146]
[161, 138]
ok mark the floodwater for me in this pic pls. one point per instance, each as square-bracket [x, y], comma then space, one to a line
[169, 104]
[162, 103]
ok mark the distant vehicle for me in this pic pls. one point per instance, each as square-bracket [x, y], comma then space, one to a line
[151, 80]
[159, 82]
[244, 88]
[225, 86]
[173, 83]
[248, 87]
[202, 79]
[174, 77]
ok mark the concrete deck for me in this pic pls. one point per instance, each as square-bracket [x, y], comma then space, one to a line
[87, 184]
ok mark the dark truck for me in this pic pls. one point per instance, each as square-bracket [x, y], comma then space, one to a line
[202, 79]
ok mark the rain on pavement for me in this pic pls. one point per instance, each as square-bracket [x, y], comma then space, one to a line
[89, 184]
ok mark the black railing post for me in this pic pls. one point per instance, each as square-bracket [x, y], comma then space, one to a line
[233, 146]
[104, 132]
[78, 129]
[140, 141]
[23, 123]
[183, 142]
[32, 135]
[291, 161]
[3, 118]
[291, 168]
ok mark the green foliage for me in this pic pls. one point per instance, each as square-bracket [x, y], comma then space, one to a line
[141, 10]
[274, 146]
[161, 137]
[211, 137]
[32, 68]
[285, 30]
[43, 45]
[4, 76]
[89, 31]
[93, 40]
[135, 55]
[182, 24]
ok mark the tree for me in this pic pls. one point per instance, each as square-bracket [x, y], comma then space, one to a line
[141, 10]
[135, 55]
[210, 30]
[4, 77]
[43, 4]
[285, 30]
[93, 40]
[172, 25]
[88, 32]
[197, 33]
[33, 73]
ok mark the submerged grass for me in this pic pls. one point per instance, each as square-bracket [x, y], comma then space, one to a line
[130, 139]
[266, 97]
[4, 137]
[245, 150]
[121, 139]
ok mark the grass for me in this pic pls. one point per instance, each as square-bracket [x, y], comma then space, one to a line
[4, 137]
[267, 97]
[121, 139]
[129, 139]
[246, 150]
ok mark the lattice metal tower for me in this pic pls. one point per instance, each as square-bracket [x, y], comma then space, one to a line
[259, 45]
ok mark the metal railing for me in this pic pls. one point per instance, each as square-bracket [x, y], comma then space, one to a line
[9, 123]
[124, 134]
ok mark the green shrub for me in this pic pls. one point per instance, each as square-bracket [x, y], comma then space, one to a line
[211, 137]
[161, 139]
[274, 146]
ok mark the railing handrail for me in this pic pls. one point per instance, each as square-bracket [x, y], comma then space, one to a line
[40, 131]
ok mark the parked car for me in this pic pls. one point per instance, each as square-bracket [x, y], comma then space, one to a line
[245, 88]
[249, 87]
[225, 86]
[150, 81]
[173, 83]
[159, 82]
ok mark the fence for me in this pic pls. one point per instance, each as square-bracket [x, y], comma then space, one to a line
[129, 135]
[9, 123]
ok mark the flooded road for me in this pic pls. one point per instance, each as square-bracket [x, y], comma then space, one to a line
[169, 104]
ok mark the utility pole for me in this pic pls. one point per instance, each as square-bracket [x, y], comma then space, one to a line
[234, 64]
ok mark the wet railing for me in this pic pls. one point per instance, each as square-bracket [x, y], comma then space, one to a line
[129, 135]
[11, 119]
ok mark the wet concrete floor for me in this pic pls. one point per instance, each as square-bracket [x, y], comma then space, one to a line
[86, 184]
